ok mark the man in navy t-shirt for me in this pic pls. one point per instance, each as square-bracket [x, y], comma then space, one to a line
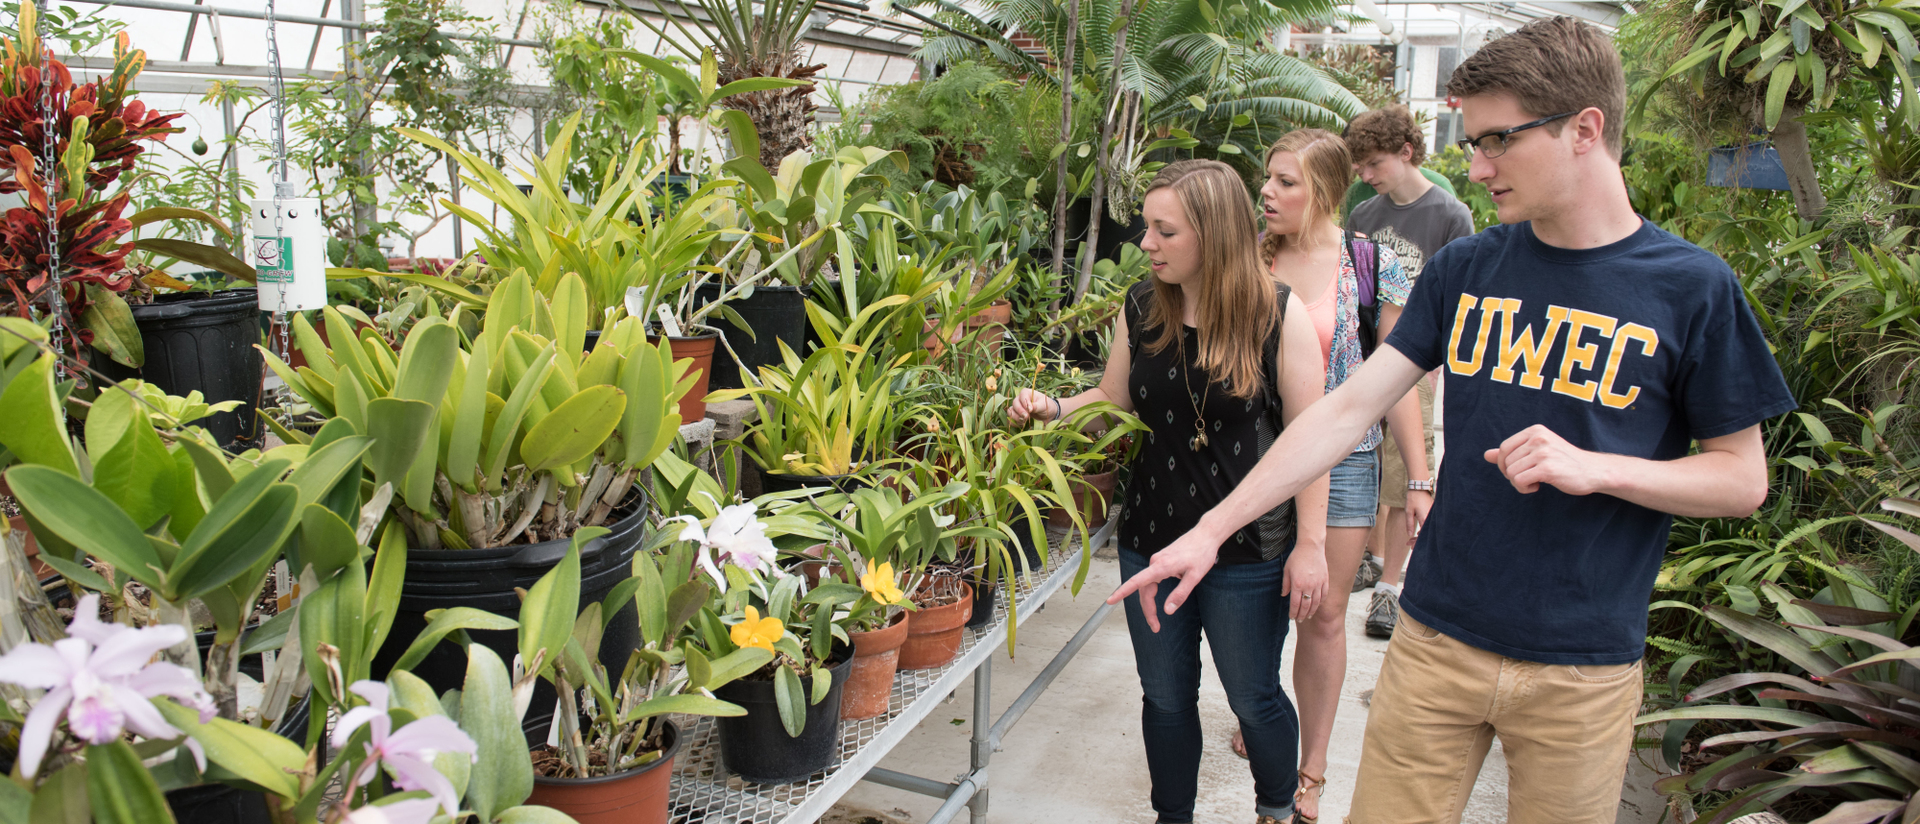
[1587, 354]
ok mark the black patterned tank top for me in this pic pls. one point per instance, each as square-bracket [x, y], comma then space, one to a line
[1171, 484]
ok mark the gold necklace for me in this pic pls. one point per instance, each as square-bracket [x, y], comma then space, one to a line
[1199, 438]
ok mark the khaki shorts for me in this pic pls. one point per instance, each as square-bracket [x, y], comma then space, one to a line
[1567, 732]
[1393, 470]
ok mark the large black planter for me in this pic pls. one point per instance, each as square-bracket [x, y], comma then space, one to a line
[485, 579]
[756, 746]
[784, 482]
[204, 341]
[222, 804]
[773, 314]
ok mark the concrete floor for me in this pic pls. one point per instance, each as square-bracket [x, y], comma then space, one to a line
[1076, 756]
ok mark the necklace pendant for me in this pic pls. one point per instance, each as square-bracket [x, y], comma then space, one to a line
[1194, 443]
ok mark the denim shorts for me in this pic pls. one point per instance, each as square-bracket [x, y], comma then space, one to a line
[1353, 500]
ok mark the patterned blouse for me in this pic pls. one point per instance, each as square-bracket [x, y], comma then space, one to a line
[1345, 359]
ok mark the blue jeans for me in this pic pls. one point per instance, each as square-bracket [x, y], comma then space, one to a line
[1243, 611]
[1353, 499]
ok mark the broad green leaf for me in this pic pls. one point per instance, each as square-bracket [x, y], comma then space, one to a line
[326, 465]
[790, 698]
[137, 474]
[326, 543]
[469, 424]
[85, 518]
[426, 362]
[735, 665]
[533, 815]
[62, 798]
[119, 788]
[400, 429]
[502, 773]
[687, 704]
[36, 428]
[114, 331]
[443, 622]
[247, 524]
[573, 430]
[270, 635]
[15, 803]
[383, 587]
[570, 316]
[254, 754]
[333, 614]
[76, 572]
[547, 614]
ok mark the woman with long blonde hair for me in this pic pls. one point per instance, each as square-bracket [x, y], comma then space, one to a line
[1216, 358]
[1308, 171]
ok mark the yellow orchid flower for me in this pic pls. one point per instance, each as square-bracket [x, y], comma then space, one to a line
[755, 631]
[879, 583]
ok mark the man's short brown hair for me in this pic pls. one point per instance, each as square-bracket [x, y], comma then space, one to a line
[1548, 67]
[1385, 130]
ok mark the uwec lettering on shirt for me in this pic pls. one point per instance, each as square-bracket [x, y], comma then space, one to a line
[1521, 353]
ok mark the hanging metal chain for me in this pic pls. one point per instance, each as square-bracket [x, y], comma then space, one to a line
[282, 189]
[49, 159]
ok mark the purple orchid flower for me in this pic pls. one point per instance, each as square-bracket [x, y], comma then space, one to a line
[408, 752]
[102, 677]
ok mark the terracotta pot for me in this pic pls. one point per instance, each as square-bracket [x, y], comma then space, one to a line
[18, 523]
[933, 634]
[876, 658]
[989, 328]
[1093, 496]
[699, 347]
[637, 796]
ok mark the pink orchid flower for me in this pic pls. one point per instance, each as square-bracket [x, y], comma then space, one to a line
[102, 677]
[408, 752]
[738, 537]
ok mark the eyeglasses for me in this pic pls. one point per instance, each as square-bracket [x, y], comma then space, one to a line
[1494, 144]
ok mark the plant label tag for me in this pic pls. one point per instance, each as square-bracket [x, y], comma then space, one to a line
[667, 323]
[553, 730]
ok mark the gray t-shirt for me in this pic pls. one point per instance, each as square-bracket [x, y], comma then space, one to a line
[1417, 230]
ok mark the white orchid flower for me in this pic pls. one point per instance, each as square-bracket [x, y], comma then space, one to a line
[102, 677]
[735, 537]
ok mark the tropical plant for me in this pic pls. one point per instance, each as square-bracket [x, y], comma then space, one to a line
[623, 714]
[885, 542]
[827, 414]
[615, 244]
[160, 505]
[1826, 718]
[98, 133]
[509, 436]
[1774, 61]
[751, 41]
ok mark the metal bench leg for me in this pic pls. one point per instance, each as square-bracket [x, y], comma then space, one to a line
[982, 735]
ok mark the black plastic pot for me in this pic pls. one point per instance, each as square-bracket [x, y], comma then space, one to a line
[783, 482]
[756, 746]
[985, 596]
[204, 341]
[773, 314]
[485, 579]
[222, 804]
[1036, 555]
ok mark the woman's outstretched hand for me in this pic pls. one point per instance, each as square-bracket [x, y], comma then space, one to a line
[1032, 404]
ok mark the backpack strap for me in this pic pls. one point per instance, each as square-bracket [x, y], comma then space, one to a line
[1365, 255]
[1270, 359]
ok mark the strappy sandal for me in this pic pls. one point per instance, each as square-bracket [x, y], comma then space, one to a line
[1308, 783]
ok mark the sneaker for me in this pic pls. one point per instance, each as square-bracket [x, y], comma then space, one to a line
[1383, 614]
[1368, 574]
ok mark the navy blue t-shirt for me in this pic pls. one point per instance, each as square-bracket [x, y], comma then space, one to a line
[1635, 348]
